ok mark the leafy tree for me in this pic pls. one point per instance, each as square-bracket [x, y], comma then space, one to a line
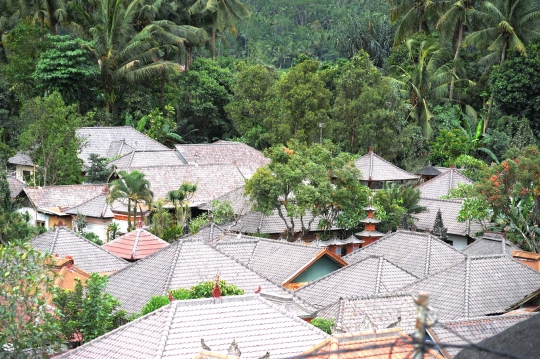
[394, 202]
[161, 220]
[66, 67]
[198, 222]
[180, 200]
[98, 172]
[248, 108]
[14, 227]
[299, 102]
[5, 194]
[29, 328]
[302, 181]
[200, 290]
[222, 211]
[135, 188]
[50, 139]
[162, 128]
[426, 82]
[524, 136]
[204, 91]
[323, 324]
[88, 312]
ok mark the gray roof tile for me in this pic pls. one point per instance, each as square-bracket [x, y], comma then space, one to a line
[424, 254]
[488, 244]
[64, 197]
[15, 186]
[442, 184]
[473, 330]
[376, 312]
[176, 330]
[450, 211]
[96, 207]
[113, 141]
[276, 260]
[372, 275]
[148, 158]
[376, 168]
[181, 265]
[20, 158]
[477, 286]
[212, 181]
[87, 256]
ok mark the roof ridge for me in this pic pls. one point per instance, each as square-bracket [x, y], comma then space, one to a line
[467, 288]
[390, 163]
[166, 330]
[486, 317]
[134, 250]
[428, 255]
[55, 239]
[173, 267]
[85, 202]
[379, 275]
[451, 200]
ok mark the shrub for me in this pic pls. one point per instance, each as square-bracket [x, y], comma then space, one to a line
[323, 324]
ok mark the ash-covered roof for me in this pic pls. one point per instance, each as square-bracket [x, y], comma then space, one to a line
[419, 253]
[88, 256]
[136, 244]
[374, 312]
[477, 286]
[442, 184]
[372, 275]
[490, 243]
[376, 168]
[175, 331]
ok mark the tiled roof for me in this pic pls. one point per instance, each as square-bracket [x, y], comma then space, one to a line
[521, 340]
[66, 273]
[240, 202]
[136, 244]
[212, 181]
[182, 264]
[372, 275]
[96, 207]
[419, 253]
[428, 171]
[473, 330]
[488, 244]
[477, 286]
[176, 330]
[375, 168]
[89, 257]
[442, 184]
[63, 197]
[20, 158]
[15, 186]
[380, 344]
[376, 312]
[450, 211]
[148, 158]
[223, 152]
[278, 261]
[110, 142]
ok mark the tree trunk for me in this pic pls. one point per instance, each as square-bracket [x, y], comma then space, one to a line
[134, 216]
[129, 214]
[213, 44]
[456, 57]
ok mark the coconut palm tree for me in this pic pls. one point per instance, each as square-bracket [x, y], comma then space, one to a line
[427, 81]
[134, 188]
[224, 14]
[179, 199]
[412, 16]
[123, 53]
[452, 24]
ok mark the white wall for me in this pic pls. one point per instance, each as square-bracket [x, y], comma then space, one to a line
[460, 242]
[32, 213]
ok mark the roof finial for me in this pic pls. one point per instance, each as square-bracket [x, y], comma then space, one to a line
[139, 224]
[370, 149]
[216, 292]
[233, 349]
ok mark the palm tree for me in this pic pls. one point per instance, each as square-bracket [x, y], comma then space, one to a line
[54, 11]
[413, 15]
[452, 24]
[179, 199]
[427, 81]
[125, 55]
[132, 186]
[224, 14]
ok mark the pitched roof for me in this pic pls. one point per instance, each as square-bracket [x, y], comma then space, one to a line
[182, 264]
[375, 312]
[110, 142]
[212, 181]
[15, 186]
[372, 275]
[450, 211]
[521, 340]
[428, 171]
[424, 254]
[376, 168]
[240, 202]
[138, 158]
[20, 158]
[223, 152]
[89, 256]
[442, 184]
[477, 286]
[136, 244]
[176, 330]
[490, 243]
[66, 273]
[278, 261]
[63, 197]
[473, 330]
[96, 207]
[380, 344]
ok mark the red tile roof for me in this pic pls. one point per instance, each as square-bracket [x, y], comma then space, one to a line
[136, 244]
